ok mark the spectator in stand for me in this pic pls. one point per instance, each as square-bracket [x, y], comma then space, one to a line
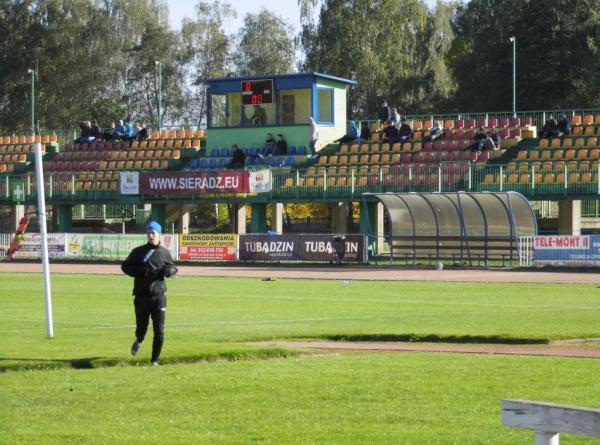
[365, 132]
[390, 133]
[564, 126]
[142, 132]
[313, 137]
[384, 113]
[405, 133]
[86, 132]
[550, 128]
[96, 130]
[435, 133]
[238, 158]
[495, 137]
[352, 135]
[120, 131]
[259, 118]
[394, 117]
[487, 143]
[130, 131]
[479, 136]
[281, 146]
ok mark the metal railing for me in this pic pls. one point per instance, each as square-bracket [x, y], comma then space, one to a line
[569, 179]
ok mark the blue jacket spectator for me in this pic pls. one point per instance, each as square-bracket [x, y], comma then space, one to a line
[353, 134]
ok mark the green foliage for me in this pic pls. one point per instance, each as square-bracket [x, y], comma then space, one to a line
[265, 46]
[395, 50]
[557, 54]
[207, 52]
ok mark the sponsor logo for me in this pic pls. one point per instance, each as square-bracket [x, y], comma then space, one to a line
[269, 246]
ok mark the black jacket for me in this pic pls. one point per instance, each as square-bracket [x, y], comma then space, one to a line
[149, 265]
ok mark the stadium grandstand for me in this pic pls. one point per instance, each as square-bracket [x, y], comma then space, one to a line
[554, 172]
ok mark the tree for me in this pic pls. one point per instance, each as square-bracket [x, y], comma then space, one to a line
[206, 51]
[557, 54]
[265, 45]
[394, 49]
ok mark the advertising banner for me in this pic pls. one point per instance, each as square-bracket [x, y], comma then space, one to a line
[303, 247]
[205, 247]
[130, 183]
[112, 247]
[566, 250]
[194, 183]
[31, 245]
[260, 181]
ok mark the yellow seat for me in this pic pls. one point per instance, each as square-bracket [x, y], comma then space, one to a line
[322, 160]
[512, 179]
[522, 155]
[397, 147]
[560, 178]
[594, 153]
[579, 142]
[544, 143]
[588, 119]
[557, 155]
[344, 149]
[586, 178]
[332, 159]
[555, 143]
[449, 124]
[354, 149]
[384, 158]
[549, 178]
[396, 158]
[591, 142]
[385, 147]
[589, 131]
[582, 154]
[574, 178]
[342, 160]
[577, 131]
[534, 155]
[489, 179]
[406, 147]
[364, 159]
[374, 159]
[364, 148]
[353, 159]
[570, 154]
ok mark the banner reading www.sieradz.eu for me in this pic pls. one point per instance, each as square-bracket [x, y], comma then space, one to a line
[192, 183]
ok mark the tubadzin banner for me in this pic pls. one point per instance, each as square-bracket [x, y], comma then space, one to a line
[582, 250]
[195, 183]
[303, 247]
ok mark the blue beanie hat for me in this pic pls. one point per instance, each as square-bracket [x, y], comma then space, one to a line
[153, 226]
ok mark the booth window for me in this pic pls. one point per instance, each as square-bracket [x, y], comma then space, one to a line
[325, 105]
[293, 106]
[225, 110]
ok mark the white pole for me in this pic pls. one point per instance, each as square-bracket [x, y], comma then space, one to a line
[44, 236]
[546, 438]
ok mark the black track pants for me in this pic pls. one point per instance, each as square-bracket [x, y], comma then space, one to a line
[155, 307]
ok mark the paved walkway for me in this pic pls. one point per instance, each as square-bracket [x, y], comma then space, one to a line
[390, 273]
[556, 351]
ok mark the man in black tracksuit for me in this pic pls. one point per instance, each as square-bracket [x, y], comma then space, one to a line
[149, 265]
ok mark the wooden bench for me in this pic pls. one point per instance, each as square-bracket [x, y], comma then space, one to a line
[548, 420]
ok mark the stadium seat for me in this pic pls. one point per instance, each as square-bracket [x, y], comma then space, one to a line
[588, 119]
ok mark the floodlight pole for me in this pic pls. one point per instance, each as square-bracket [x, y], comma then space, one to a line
[513, 40]
[44, 237]
[159, 76]
[32, 72]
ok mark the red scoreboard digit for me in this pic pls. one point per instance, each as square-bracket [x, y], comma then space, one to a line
[256, 92]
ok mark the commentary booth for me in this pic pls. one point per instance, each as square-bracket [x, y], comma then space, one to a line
[242, 110]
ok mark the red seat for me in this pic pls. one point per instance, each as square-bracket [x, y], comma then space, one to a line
[527, 120]
[440, 145]
[428, 146]
[482, 122]
[460, 134]
[452, 145]
[470, 123]
[504, 133]
[484, 156]
[515, 122]
[459, 123]
[429, 157]
[503, 122]
[406, 157]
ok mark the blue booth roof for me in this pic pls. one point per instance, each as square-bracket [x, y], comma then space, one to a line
[282, 81]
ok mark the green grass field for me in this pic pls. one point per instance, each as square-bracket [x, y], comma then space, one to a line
[215, 387]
